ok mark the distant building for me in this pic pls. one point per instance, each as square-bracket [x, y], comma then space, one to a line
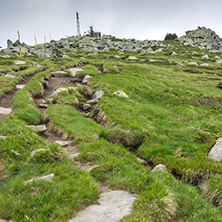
[93, 33]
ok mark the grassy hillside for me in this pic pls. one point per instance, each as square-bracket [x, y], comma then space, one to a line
[172, 116]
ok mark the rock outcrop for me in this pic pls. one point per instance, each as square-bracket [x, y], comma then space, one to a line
[203, 38]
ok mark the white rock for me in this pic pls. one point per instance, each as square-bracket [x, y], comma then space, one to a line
[217, 57]
[37, 151]
[132, 58]
[19, 62]
[205, 57]
[174, 53]
[204, 64]
[74, 71]
[57, 91]
[219, 61]
[63, 143]
[216, 152]
[192, 64]
[5, 111]
[112, 207]
[45, 178]
[159, 167]
[194, 53]
[159, 50]
[10, 76]
[20, 86]
[98, 94]
[38, 129]
[85, 79]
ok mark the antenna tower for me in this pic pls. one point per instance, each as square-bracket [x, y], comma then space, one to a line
[78, 24]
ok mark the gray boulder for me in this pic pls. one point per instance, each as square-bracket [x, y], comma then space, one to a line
[38, 129]
[9, 43]
[216, 152]
[159, 167]
[98, 94]
[5, 111]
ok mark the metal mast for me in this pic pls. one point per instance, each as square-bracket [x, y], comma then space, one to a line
[78, 24]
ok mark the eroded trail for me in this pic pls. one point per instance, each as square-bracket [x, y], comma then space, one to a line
[112, 204]
[7, 98]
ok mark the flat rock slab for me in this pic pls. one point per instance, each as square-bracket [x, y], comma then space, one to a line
[19, 62]
[112, 207]
[46, 178]
[10, 76]
[5, 111]
[38, 129]
[63, 143]
[19, 86]
[74, 71]
[60, 74]
[216, 152]
[6, 220]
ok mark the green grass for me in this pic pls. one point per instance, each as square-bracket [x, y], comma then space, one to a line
[173, 117]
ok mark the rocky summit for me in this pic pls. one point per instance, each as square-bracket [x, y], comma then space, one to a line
[203, 38]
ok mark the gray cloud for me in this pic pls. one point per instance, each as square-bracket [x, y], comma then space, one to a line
[141, 19]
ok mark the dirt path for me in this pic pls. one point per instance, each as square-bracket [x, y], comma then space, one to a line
[112, 204]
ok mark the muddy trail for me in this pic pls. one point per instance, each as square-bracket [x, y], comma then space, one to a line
[7, 98]
[107, 203]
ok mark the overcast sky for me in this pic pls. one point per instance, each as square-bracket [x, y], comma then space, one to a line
[139, 19]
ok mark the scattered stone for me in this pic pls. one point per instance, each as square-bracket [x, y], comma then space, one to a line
[216, 152]
[43, 105]
[141, 161]
[10, 76]
[74, 71]
[159, 167]
[192, 64]
[121, 94]
[37, 151]
[20, 86]
[85, 79]
[132, 58]
[36, 64]
[86, 106]
[63, 143]
[112, 207]
[159, 50]
[45, 178]
[205, 57]
[19, 62]
[204, 64]
[38, 129]
[60, 74]
[98, 94]
[179, 64]
[194, 53]
[57, 91]
[219, 61]
[5, 111]
[174, 53]
[74, 155]
[92, 101]
[217, 57]
[65, 57]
